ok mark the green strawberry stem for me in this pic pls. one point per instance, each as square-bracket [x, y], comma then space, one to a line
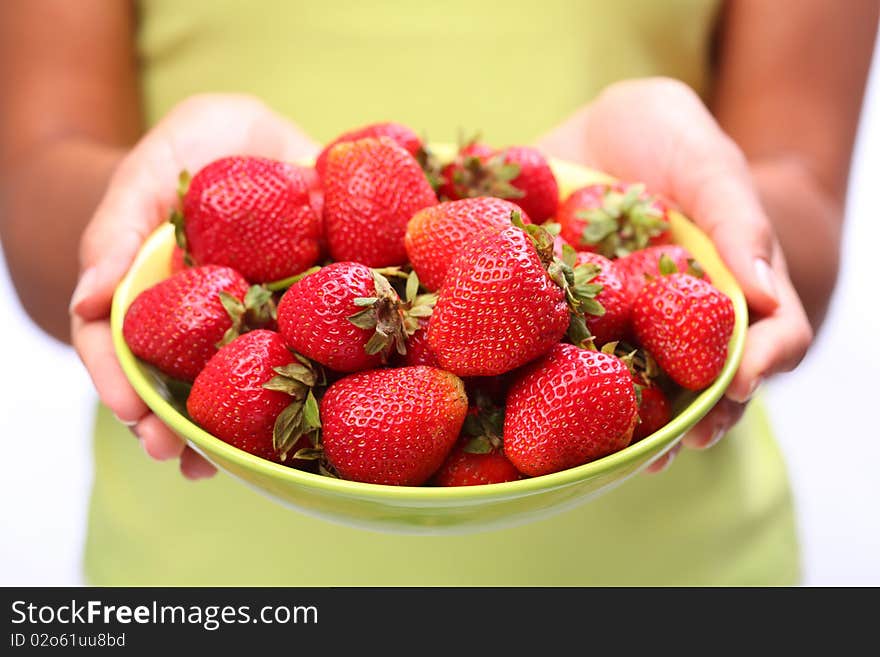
[491, 177]
[484, 428]
[257, 310]
[284, 283]
[666, 266]
[177, 219]
[302, 417]
[642, 367]
[430, 164]
[626, 222]
[392, 320]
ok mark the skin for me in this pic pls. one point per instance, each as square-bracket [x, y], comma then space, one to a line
[763, 170]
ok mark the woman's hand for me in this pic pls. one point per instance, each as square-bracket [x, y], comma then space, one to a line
[139, 196]
[658, 132]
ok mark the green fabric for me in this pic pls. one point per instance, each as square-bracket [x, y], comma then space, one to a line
[512, 69]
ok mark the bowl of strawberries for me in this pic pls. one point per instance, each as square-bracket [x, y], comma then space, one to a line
[426, 340]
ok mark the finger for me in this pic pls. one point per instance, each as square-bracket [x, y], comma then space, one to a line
[194, 466]
[160, 442]
[724, 204]
[717, 422]
[775, 343]
[664, 461]
[93, 343]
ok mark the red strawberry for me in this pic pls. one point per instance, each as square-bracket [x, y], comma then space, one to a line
[435, 235]
[654, 412]
[457, 175]
[499, 308]
[401, 134]
[466, 468]
[316, 198]
[685, 323]
[654, 408]
[255, 395]
[613, 219]
[178, 260]
[613, 323]
[253, 214]
[540, 192]
[478, 457]
[417, 350]
[392, 426]
[348, 317]
[177, 324]
[520, 174]
[506, 300]
[638, 266]
[371, 189]
[568, 408]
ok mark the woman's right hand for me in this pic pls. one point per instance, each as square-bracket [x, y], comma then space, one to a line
[138, 198]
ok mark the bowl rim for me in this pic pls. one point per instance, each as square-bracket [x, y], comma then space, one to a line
[659, 441]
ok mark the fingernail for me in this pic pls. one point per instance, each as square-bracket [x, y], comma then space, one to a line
[128, 423]
[766, 278]
[716, 436]
[755, 385]
[83, 288]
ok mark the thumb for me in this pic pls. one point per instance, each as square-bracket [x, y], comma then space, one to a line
[133, 206]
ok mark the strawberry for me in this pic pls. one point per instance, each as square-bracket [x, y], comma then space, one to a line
[637, 267]
[178, 323]
[499, 307]
[178, 260]
[506, 300]
[457, 175]
[467, 468]
[250, 213]
[417, 350]
[520, 174]
[392, 426]
[568, 408]
[401, 134]
[371, 189]
[257, 396]
[540, 192]
[654, 408]
[685, 323]
[435, 235]
[613, 220]
[613, 322]
[478, 457]
[654, 412]
[348, 317]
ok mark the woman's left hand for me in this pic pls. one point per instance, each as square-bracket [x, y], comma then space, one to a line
[658, 132]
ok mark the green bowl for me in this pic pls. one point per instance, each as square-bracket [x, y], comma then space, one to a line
[425, 510]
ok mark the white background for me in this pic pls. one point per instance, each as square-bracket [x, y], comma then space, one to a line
[825, 415]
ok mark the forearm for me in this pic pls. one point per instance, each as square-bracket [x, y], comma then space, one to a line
[807, 221]
[46, 199]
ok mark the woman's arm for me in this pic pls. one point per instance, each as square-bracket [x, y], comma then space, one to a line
[789, 90]
[73, 112]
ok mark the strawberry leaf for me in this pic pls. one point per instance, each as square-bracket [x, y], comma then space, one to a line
[478, 445]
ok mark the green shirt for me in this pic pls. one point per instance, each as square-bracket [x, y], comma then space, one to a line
[512, 70]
